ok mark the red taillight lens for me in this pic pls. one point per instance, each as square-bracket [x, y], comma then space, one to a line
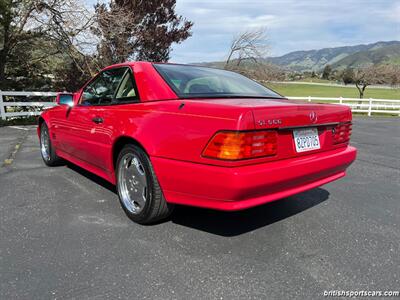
[234, 145]
[341, 133]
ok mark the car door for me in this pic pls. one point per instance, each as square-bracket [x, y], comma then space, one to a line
[59, 125]
[89, 136]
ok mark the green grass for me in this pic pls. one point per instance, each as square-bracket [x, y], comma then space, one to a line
[303, 90]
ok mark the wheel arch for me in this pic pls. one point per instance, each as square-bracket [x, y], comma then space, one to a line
[42, 119]
[119, 143]
[40, 122]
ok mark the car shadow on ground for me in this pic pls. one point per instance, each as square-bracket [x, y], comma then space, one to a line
[104, 183]
[230, 223]
[236, 223]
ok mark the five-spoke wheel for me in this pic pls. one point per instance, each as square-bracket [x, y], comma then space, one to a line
[139, 191]
[45, 142]
[132, 183]
[49, 155]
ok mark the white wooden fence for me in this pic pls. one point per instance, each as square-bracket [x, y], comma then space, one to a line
[10, 109]
[368, 106]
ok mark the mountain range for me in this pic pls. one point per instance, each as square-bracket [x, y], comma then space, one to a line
[340, 57]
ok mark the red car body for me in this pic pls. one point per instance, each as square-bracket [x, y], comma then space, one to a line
[174, 133]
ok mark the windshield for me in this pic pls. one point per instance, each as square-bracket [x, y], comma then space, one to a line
[201, 82]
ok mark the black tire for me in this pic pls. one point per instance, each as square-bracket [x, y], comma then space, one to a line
[50, 158]
[155, 207]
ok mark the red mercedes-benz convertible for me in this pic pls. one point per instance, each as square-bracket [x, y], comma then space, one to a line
[168, 134]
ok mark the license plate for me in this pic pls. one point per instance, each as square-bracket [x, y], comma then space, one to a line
[306, 139]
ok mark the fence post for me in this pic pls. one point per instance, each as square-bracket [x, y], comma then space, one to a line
[309, 98]
[370, 107]
[2, 110]
[341, 100]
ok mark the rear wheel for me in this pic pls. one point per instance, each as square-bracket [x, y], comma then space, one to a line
[47, 150]
[138, 189]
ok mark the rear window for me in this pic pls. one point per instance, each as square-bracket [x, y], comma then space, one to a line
[197, 82]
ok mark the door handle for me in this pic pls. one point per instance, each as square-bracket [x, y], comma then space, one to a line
[97, 120]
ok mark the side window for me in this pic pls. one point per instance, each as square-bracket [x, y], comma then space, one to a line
[127, 90]
[102, 89]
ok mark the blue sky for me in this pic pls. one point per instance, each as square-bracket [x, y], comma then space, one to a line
[291, 25]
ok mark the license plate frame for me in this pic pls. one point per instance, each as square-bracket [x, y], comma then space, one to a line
[306, 139]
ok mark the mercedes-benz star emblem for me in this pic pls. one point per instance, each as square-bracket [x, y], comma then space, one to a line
[313, 117]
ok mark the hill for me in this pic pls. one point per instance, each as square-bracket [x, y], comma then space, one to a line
[340, 57]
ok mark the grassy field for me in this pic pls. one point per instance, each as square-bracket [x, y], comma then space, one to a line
[300, 90]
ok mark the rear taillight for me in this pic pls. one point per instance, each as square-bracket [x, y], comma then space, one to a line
[341, 133]
[235, 145]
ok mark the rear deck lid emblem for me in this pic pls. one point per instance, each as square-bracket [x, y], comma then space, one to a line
[313, 117]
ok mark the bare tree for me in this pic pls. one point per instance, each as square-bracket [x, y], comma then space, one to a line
[382, 74]
[392, 75]
[247, 56]
[249, 45]
[65, 22]
[364, 77]
[68, 23]
[115, 32]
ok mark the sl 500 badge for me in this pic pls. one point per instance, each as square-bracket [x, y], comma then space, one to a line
[270, 122]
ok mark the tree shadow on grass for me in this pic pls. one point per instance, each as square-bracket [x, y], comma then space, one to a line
[236, 223]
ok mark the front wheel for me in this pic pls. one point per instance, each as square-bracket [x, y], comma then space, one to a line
[47, 151]
[138, 189]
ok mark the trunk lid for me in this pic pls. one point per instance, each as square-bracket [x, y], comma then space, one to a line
[291, 114]
[279, 113]
[287, 116]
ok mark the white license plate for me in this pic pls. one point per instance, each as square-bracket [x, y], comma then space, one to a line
[306, 139]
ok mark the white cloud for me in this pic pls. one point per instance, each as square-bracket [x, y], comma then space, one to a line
[394, 14]
[291, 24]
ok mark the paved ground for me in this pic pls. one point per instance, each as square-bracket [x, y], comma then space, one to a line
[63, 234]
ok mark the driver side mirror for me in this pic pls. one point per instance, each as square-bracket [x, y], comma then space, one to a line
[65, 99]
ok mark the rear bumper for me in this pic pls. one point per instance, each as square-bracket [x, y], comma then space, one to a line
[239, 188]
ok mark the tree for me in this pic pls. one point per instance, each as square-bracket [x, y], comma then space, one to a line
[327, 72]
[248, 45]
[347, 76]
[247, 53]
[33, 31]
[392, 76]
[14, 18]
[382, 74]
[138, 30]
[61, 43]
[364, 77]
[68, 24]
